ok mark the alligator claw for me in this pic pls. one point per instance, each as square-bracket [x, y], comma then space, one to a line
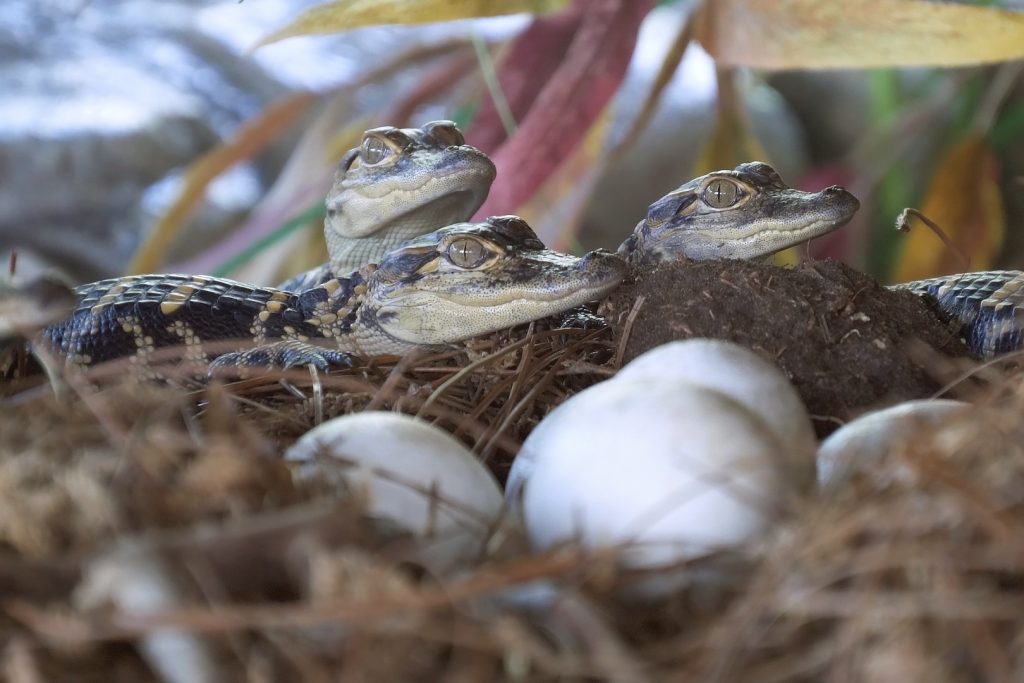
[282, 355]
[582, 318]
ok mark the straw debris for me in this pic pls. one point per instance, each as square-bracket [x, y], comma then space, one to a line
[152, 532]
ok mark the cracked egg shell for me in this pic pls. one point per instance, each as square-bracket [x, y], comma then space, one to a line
[411, 472]
[666, 471]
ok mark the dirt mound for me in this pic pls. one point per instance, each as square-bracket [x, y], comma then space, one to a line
[840, 336]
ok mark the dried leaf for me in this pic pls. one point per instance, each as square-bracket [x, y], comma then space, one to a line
[568, 103]
[857, 34]
[344, 15]
[250, 139]
[965, 201]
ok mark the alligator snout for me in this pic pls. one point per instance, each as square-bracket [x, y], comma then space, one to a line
[602, 259]
[842, 199]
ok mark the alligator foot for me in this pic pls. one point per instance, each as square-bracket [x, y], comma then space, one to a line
[281, 355]
[582, 318]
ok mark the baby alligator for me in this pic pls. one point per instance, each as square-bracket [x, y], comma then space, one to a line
[745, 213]
[455, 283]
[458, 282]
[750, 212]
[399, 183]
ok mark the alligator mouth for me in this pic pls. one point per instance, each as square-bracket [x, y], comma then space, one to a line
[794, 233]
[574, 283]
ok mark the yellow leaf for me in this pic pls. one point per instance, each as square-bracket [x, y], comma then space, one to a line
[344, 15]
[965, 201]
[857, 34]
[249, 140]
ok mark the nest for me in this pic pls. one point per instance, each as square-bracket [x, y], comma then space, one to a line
[152, 532]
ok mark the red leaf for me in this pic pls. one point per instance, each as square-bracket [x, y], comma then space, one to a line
[567, 103]
[530, 62]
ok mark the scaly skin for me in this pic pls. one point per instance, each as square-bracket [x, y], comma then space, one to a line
[397, 185]
[419, 296]
[455, 283]
[745, 213]
[988, 305]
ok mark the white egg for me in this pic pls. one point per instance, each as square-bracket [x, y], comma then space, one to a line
[860, 445]
[667, 471]
[413, 473]
[741, 374]
[745, 377]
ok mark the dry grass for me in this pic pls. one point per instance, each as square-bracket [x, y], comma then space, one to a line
[134, 508]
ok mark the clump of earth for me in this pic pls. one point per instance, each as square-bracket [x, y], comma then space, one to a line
[843, 339]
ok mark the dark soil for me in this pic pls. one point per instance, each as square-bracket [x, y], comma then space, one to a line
[840, 336]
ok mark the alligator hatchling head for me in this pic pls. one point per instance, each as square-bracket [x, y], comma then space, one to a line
[744, 213]
[415, 179]
[469, 279]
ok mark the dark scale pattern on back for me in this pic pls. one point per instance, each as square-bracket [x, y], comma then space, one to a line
[125, 316]
[989, 305]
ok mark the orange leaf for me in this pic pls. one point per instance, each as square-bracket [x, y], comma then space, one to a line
[857, 34]
[250, 139]
[965, 201]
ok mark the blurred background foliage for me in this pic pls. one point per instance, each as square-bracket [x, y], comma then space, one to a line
[201, 136]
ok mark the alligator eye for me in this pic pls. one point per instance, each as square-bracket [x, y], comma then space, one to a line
[374, 150]
[721, 193]
[467, 253]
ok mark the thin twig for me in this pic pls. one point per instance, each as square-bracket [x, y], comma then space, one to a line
[903, 225]
[490, 76]
[627, 329]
